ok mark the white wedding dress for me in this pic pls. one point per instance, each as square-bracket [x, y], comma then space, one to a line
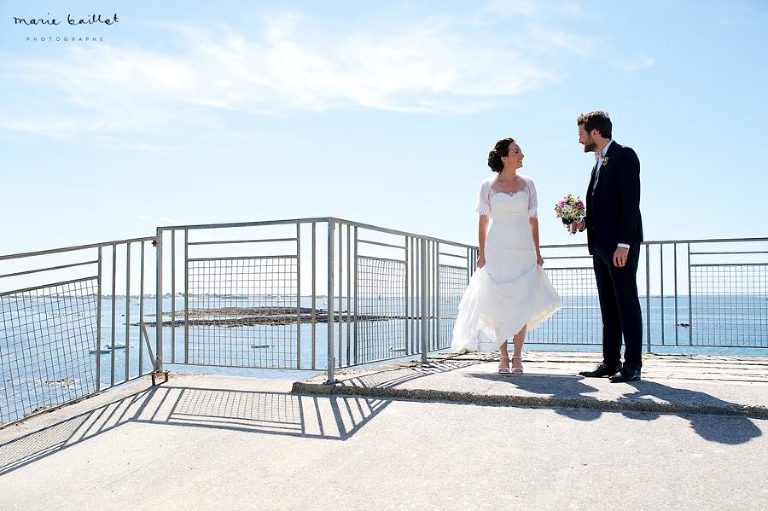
[510, 290]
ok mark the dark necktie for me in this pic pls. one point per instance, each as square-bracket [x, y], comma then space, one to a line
[598, 156]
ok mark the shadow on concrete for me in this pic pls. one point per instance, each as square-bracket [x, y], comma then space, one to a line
[709, 422]
[731, 430]
[273, 413]
[561, 388]
[390, 378]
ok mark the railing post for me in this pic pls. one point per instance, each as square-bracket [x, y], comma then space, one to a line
[690, 300]
[298, 295]
[331, 281]
[648, 296]
[158, 362]
[661, 290]
[438, 345]
[98, 322]
[423, 296]
[186, 297]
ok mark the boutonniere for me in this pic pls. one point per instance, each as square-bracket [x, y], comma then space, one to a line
[604, 161]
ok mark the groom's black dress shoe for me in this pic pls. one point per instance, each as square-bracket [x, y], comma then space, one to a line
[626, 374]
[602, 370]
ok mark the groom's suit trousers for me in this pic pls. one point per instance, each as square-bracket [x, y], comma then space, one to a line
[620, 307]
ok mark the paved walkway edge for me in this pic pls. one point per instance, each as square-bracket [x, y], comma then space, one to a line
[756, 412]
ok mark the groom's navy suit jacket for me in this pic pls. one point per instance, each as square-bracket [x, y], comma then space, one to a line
[613, 205]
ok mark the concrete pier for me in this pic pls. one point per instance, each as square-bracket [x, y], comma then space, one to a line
[449, 435]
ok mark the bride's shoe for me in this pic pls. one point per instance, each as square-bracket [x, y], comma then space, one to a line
[504, 365]
[517, 368]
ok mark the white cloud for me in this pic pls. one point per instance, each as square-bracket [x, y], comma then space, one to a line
[636, 64]
[431, 68]
[544, 38]
[533, 8]
[527, 8]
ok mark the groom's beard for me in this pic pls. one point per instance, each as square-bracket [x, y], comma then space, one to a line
[589, 147]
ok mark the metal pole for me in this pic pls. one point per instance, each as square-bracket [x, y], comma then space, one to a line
[173, 296]
[648, 297]
[690, 293]
[98, 326]
[414, 295]
[186, 296]
[331, 263]
[675, 271]
[158, 362]
[128, 311]
[407, 309]
[349, 292]
[424, 304]
[438, 344]
[469, 265]
[661, 271]
[340, 257]
[357, 298]
[141, 311]
[314, 295]
[114, 314]
[298, 295]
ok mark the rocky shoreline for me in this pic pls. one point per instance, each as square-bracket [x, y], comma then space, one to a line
[253, 316]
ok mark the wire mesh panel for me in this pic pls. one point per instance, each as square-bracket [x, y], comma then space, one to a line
[243, 312]
[729, 305]
[381, 320]
[579, 320]
[47, 345]
[453, 282]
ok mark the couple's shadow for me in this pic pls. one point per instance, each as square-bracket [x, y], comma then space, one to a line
[575, 398]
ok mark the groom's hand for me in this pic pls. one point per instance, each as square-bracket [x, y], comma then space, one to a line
[620, 257]
[578, 225]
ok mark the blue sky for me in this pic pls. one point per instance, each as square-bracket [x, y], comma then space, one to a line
[380, 112]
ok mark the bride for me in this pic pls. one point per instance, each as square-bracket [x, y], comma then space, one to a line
[509, 292]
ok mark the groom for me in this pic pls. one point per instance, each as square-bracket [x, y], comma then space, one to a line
[614, 233]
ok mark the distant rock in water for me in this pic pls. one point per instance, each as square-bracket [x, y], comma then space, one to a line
[251, 316]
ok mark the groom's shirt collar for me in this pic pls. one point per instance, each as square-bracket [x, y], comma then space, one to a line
[605, 149]
[603, 153]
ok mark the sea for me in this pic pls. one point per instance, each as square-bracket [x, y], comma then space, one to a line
[50, 352]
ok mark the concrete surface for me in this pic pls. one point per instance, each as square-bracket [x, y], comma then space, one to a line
[213, 442]
[670, 384]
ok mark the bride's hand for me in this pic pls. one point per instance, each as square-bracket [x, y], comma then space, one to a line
[539, 260]
[480, 261]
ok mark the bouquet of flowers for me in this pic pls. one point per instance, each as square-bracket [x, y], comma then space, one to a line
[569, 209]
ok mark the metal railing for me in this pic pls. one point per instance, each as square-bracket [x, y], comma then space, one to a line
[67, 330]
[317, 293]
[322, 294]
[694, 295]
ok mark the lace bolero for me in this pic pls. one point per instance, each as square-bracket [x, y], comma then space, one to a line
[486, 191]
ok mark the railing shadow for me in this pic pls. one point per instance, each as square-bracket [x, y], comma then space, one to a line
[389, 378]
[272, 413]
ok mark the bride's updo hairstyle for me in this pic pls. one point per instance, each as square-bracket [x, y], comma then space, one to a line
[500, 149]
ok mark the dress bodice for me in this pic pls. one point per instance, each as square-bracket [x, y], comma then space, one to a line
[493, 203]
[509, 207]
